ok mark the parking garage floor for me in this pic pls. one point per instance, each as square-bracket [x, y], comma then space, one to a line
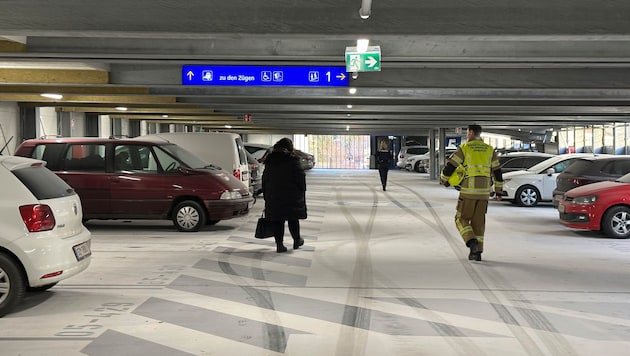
[381, 273]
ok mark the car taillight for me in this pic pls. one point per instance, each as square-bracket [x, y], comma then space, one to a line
[37, 217]
[237, 173]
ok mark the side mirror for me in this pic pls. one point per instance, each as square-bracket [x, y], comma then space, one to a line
[550, 171]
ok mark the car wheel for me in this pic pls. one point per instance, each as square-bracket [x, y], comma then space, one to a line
[189, 216]
[527, 195]
[417, 167]
[12, 284]
[45, 287]
[616, 222]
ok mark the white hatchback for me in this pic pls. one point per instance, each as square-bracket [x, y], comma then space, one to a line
[536, 184]
[42, 237]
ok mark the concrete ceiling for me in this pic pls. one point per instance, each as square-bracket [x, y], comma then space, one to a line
[504, 64]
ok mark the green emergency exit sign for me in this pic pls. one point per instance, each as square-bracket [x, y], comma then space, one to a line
[367, 61]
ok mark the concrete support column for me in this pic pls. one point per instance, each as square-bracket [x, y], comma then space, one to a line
[171, 128]
[46, 121]
[104, 126]
[124, 128]
[442, 155]
[433, 175]
[9, 127]
[77, 124]
[144, 128]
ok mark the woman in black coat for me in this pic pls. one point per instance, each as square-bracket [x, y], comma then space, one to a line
[284, 191]
[384, 160]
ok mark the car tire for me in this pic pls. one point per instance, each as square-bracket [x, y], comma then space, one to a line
[12, 284]
[417, 167]
[189, 216]
[616, 222]
[527, 195]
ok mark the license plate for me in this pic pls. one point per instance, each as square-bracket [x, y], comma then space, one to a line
[561, 208]
[82, 250]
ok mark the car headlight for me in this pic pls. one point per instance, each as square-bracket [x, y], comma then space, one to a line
[234, 194]
[585, 200]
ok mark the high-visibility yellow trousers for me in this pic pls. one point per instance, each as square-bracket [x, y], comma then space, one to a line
[470, 219]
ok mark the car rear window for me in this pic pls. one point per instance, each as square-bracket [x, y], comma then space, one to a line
[43, 183]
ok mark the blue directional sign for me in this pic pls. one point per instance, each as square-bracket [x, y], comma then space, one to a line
[264, 76]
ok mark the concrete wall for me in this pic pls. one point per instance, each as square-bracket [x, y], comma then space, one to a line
[9, 125]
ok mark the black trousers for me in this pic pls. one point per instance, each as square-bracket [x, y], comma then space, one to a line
[382, 171]
[278, 230]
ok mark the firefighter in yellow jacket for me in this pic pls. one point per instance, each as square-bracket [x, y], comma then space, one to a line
[480, 166]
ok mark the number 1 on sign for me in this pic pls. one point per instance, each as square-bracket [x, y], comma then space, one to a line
[328, 76]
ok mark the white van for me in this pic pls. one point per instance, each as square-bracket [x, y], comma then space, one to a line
[222, 149]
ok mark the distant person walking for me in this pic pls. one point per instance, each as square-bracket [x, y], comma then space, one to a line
[384, 158]
[284, 191]
[481, 165]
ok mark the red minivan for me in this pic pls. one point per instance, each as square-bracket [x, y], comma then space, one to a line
[142, 179]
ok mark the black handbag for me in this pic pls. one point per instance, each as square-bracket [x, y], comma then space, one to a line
[263, 228]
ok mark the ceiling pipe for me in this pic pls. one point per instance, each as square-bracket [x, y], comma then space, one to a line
[366, 9]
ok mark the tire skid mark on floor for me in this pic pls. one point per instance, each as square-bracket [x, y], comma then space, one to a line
[350, 343]
[455, 242]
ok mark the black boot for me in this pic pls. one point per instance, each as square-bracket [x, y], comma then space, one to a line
[472, 244]
[297, 243]
[279, 245]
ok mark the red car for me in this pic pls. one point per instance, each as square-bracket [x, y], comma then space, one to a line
[142, 179]
[601, 206]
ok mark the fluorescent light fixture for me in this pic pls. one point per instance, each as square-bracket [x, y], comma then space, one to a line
[366, 9]
[348, 115]
[352, 90]
[362, 45]
[347, 127]
[165, 116]
[228, 126]
[52, 96]
[349, 106]
[121, 108]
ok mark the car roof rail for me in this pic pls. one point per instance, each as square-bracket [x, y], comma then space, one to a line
[118, 136]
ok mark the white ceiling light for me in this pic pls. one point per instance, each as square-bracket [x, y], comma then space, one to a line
[52, 96]
[349, 106]
[352, 90]
[347, 127]
[121, 108]
[362, 45]
[165, 116]
[228, 126]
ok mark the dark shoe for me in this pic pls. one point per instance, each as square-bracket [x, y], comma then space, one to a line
[477, 256]
[281, 248]
[298, 243]
[472, 244]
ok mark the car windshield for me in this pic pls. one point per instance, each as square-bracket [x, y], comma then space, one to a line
[186, 157]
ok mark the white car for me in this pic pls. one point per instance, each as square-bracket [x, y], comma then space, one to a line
[408, 151]
[42, 237]
[536, 184]
[421, 163]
